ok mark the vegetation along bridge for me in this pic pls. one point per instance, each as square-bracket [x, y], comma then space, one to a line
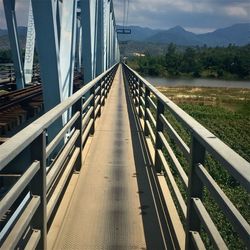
[115, 165]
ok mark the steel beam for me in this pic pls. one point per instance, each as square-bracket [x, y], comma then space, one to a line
[9, 9]
[94, 27]
[105, 7]
[48, 52]
[86, 40]
[108, 33]
[100, 39]
[78, 51]
[114, 44]
[67, 50]
[58, 5]
[30, 47]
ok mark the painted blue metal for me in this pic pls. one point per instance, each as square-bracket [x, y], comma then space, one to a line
[110, 37]
[78, 52]
[58, 4]
[86, 40]
[68, 34]
[94, 29]
[48, 53]
[30, 47]
[108, 34]
[9, 9]
[114, 39]
[100, 39]
[105, 7]
[67, 50]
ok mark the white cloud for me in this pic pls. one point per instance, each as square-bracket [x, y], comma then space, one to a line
[199, 30]
[197, 14]
[237, 11]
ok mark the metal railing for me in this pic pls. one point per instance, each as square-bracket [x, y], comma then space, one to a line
[151, 106]
[36, 191]
[8, 78]
[7, 74]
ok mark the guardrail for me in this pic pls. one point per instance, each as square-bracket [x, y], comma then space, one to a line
[8, 78]
[151, 106]
[7, 74]
[36, 192]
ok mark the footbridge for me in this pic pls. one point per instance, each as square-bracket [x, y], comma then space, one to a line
[115, 165]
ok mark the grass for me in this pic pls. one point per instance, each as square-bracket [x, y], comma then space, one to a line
[226, 113]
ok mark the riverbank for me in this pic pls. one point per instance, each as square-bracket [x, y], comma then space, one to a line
[207, 75]
[225, 63]
[197, 82]
[231, 99]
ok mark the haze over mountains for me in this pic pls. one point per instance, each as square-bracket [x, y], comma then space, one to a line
[238, 34]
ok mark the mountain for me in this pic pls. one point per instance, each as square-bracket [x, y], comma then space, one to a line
[238, 34]
[3, 32]
[177, 35]
[4, 38]
[22, 31]
[137, 33]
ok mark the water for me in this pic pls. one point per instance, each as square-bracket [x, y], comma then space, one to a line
[158, 81]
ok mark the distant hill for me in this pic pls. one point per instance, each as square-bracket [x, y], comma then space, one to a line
[3, 32]
[238, 34]
[4, 38]
[139, 34]
[176, 35]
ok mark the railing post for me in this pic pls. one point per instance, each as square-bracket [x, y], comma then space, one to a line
[108, 83]
[136, 87]
[146, 117]
[103, 91]
[130, 83]
[10, 74]
[131, 86]
[140, 95]
[38, 189]
[92, 104]
[159, 128]
[195, 190]
[78, 125]
[105, 87]
[100, 99]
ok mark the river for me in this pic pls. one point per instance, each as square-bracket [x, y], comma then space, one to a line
[199, 82]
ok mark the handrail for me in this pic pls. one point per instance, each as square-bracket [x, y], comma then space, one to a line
[150, 105]
[11, 148]
[7, 73]
[35, 195]
[235, 164]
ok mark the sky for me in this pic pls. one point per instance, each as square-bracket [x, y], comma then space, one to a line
[198, 16]
[194, 15]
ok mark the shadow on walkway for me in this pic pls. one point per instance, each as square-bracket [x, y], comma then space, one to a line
[156, 230]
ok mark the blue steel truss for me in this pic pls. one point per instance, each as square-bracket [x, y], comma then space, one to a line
[68, 35]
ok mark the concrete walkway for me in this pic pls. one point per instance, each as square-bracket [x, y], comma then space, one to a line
[113, 206]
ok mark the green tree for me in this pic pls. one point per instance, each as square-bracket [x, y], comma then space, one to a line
[172, 60]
